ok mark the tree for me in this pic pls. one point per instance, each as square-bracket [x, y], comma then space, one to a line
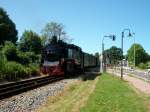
[30, 42]
[140, 54]
[7, 28]
[114, 54]
[53, 29]
[10, 51]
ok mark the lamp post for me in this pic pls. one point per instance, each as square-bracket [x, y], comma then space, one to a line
[134, 52]
[129, 35]
[103, 58]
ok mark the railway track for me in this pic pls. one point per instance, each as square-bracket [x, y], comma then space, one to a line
[14, 88]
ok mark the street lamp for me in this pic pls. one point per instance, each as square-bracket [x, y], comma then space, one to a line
[129, 35]
[134, 51]
[103, 64]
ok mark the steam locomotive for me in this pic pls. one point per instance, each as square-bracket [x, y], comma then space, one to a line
[60, 59]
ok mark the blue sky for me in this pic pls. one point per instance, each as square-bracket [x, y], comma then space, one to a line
[86, 21]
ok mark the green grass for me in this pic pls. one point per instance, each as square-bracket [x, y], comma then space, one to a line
[71, 99]
[105, 93]
[113, 95]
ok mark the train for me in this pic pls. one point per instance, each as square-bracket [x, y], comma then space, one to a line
[63, 59]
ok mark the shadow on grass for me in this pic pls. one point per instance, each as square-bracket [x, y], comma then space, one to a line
[90, 76]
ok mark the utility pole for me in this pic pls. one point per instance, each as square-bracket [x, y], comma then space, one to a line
[103, 57]
[102, 63]
[134, 52]
[122, 56]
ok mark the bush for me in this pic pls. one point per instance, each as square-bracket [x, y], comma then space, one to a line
[148, 64]
[142, 66]
[15, 71]
[23, 58]
[26, 58]
[10, 51]
[15, 64]
[13, 54]
[34, 69]
[12, 71]
[33, 57]
[2, 64]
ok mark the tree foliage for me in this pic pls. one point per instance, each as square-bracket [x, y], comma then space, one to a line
[7, 28]
[140, 54]
[114, 54]
[53, 29]
[16, 64]
[30, 42]
[10, 51]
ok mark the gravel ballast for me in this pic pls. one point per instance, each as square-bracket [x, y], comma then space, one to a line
[30, 100]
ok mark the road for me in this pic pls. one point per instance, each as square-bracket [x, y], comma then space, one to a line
[135, 72]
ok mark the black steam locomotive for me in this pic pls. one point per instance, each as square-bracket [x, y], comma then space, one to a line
[59, 59]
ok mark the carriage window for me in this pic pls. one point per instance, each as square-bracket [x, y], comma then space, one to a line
[70, 53]
[78, 56]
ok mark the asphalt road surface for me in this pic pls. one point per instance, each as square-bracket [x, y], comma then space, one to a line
[139, 73]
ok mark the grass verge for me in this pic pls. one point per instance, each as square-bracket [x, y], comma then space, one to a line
[113, 95]
[105, 93]
[72, 98]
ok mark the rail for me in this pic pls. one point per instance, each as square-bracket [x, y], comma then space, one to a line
[14, 88]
